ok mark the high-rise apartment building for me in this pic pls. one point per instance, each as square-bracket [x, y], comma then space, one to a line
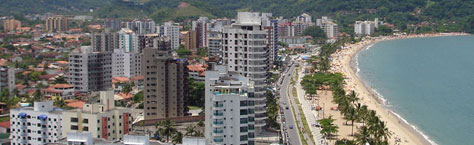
[128, 41]
[272, 39]
[142, 27]
[190, 41]
[105, 41]
[245, 52]
[214, 45]
[11, 25]
[286, 29]
[332, 30]
[170, 30]
[166, 82]
[363, 28]
[37, 125]
[230, 108]
[126, 64]
[113, 24]
[7, 78]
[89, 70]
[329, 27]
[201, 27]
[304, 18]
[146, 40]
[102, 119]
[57, 24]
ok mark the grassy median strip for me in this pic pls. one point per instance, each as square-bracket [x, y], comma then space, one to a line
[302, 116]
[300, 133]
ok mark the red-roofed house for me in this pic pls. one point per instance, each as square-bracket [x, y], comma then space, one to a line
[65, 91]
[138, 81]
[75, 103]
[197, 72]
[5, 127]
[118, 83]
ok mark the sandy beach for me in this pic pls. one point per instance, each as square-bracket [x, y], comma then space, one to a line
[344, 62]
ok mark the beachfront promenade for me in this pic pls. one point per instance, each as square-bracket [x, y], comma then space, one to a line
[310, 115]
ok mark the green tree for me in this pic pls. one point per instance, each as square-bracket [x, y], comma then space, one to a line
[316, 32]
[272, 110]
[202, 52]
[190, 130]
[363, 136]
[166, 128]
[60, 80]
[196, 93]
[351, 116]
[177, 138]
[58, 102]
[183, 52]
[137, 98]
[127, 88]
[328, 127]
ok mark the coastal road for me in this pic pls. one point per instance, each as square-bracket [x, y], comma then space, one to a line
[287, 113]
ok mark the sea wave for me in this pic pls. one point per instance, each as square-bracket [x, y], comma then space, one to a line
[414, 127]
[384, 101]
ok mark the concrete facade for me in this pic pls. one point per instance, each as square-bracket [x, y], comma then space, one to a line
[128, 41]
[36, 125]
[246, 52]
[102, 120]
[57, 24]
[170, 30]
[125, 64]
[230, 109]
[166, 82]
[90, 71]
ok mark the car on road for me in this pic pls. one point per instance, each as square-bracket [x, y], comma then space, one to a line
[291, 126]
[286, 107]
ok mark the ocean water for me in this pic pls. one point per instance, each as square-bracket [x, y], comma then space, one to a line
[427, 81]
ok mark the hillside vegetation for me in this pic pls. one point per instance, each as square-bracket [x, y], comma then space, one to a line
[427, 15]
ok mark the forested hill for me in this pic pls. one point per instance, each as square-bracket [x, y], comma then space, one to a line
[437, 14]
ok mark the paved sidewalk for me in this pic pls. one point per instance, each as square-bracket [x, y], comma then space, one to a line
[297, 113]
[311, 115]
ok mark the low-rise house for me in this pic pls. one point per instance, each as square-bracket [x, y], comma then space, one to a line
[100, 118]
[63, 91]
[138, 81]
[5, 127]
[197, 72]
[77, 104]
[118, 83]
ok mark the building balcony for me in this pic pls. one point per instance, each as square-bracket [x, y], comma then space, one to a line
[218, 131]
[218, 140]
[218, 114]
[218, 122]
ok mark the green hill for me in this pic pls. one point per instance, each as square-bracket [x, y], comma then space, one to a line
[434, 15]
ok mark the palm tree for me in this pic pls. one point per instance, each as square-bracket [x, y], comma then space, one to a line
[363, 136]
[177, 138]
[362, 112]
[352, 97]
[351, 115]
[328, 126]
[127, 88]
[383, 133]
[190, 131]
[59, 102]
[166, 128]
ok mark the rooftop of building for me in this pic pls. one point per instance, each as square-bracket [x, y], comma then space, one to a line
[5, 124]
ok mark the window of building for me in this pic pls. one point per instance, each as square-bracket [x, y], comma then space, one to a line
[74, 127]
[74, 119]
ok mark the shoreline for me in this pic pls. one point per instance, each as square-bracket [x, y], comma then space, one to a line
[346, 62]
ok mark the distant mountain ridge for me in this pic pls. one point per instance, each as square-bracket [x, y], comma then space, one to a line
[399, 12]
